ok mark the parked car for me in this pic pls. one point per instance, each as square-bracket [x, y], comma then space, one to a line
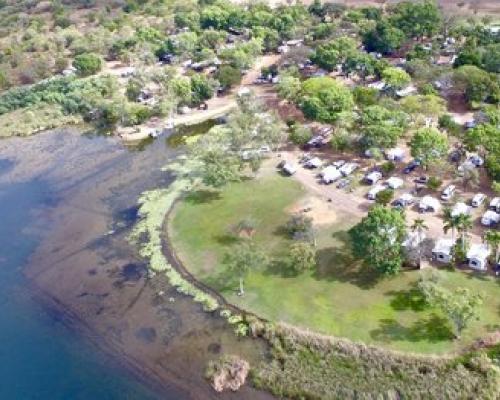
[348, 168]
[421, 180]
[338, 163]
[478, 199]
[343, 183]
[476, 160]
[314, 162]
[448, 192]
[412, 166]
[404, 200]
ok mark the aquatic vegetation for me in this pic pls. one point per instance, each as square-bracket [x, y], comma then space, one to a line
[154, 208]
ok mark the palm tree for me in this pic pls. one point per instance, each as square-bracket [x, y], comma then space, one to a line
[493, 240]
[419, 227]
[450, 223]
[464, 223]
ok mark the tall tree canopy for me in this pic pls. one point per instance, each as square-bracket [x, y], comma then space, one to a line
[377, 239]
[324, 99]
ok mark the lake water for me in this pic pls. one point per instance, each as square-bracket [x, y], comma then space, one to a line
[40, 358]
[67, 202]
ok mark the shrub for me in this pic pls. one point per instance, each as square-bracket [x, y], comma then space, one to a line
[434, 183]
[300, 135]
[87, 64]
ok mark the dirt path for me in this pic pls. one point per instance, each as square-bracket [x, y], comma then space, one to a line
[217, 106]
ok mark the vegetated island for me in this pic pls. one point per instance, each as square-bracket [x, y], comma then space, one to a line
[352, 191]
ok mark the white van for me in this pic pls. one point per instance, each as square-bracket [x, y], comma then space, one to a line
[478, 199]
[448, 192]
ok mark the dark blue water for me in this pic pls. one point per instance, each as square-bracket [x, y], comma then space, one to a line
[40, 358]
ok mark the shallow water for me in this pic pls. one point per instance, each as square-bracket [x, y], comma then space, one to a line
[80, 317]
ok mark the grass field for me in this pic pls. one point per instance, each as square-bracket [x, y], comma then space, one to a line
[341, 297]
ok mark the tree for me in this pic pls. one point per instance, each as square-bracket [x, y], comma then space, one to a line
[424, 105]
[476, 84]
[417, 19]
[378, 237]
[242, 259]
[300, 227]
[493, 240]
[419, 227]
[289, 88]
[385, 196]
[460, 305]
[464, 223]
[381, 127]
[383, 38]
[365, 96]
[428, 145]
[228, 76]
[451, 222]
[302, 256]
[87, 64]
[395, 77]
[335, 52]
[360, 63]
[219, 168]
[470, 178]
[300, 135]
[202, 88]
[324, 99]
[491, 58]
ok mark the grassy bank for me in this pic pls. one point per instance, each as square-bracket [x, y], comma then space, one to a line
[31, 120]
[308, 366]
[340, 298]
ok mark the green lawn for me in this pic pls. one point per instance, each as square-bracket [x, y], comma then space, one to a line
[341, 297]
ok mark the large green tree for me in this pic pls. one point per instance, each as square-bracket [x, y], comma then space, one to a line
[383, 38]
[395, 77]
[428, 145]
[418, 18]
[335, 52]
[381, 127]
[324, 99]
[87, 64]
[378, 237]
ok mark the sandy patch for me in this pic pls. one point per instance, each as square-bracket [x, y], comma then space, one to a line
[321, 212]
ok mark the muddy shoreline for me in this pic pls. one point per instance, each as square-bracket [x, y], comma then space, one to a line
[115, 356]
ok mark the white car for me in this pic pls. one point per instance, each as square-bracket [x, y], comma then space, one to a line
[348, 168]
[478, 199]
[448, 192]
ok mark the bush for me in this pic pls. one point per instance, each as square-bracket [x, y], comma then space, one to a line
[434, 183]
[87, 64]
[228, 76]
[385, 196]
[388, 167]
[300, 135]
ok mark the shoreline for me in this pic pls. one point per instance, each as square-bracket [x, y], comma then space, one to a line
[112, 352]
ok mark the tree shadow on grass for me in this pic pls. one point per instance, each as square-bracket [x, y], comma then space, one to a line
[202, 196]
[337, 263]
[227, 239]
[411, 299]
[280, 267]
[433, 329]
